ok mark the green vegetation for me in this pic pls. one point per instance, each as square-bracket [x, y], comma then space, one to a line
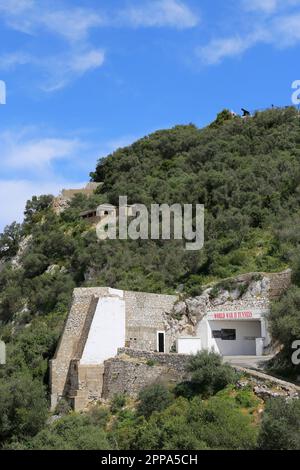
[247, 174]
[153, 398]
[158, 420]
[280, 428]
[208, 376]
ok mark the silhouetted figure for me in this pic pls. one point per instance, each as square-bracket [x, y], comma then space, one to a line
[245, 112]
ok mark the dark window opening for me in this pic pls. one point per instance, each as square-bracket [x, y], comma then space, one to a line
[225, 335]
[161, 342]
[217, 334]
[228, 335]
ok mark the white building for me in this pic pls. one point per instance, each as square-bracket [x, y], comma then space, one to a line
[229, 333]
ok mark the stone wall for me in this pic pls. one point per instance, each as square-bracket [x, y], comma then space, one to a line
[132, 370]
[70, 342]
[145, 315]
[61, 202]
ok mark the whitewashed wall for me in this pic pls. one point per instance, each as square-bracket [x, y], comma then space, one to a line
[188, 345]
[107, 332]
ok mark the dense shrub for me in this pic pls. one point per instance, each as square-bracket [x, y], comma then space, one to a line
[117, 403]
[208, 375]
[152, 398]
[284, 322]
[280, 429]
[23, 406]
[72, 432]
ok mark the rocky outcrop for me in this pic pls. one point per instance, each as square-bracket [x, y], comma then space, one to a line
[23, 246]
[253, 290]
[266, 386]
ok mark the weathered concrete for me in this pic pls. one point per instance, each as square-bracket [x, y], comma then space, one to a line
[145, 316]
[132, 370]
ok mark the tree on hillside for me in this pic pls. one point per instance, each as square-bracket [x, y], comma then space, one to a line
[9, 240]
[208, 375]
[280, 428]
[284, 320]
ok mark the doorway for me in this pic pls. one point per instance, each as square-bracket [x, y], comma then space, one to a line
[161, 341]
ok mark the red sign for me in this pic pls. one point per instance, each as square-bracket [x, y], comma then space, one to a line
[232, 315]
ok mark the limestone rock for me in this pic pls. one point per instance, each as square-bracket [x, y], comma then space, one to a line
[24, 244]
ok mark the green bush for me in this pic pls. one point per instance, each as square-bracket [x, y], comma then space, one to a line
[218, 423]
[208, 375]
[72, 432]
[284, 321]
[155, 397]
[23, 406]
[117, 403]
[280, 428]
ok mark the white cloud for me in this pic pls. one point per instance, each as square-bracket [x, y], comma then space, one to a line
[286, 30]
[158, 13]
[266, 6]
[73, 25]
[19, 150]
[280, 30]
[269, 6]
[15, 7]
[30, 158]
[221, 48]
[86, 61]
[61, 70]
[10, 61]
[30, 16]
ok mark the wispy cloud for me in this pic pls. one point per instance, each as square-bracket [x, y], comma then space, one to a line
[278, 26]
[158, 13]
[32, 17]
[269, 6]
[26, 149]
[266, 6]
[67, 67]
[219, 49]
[73, 25]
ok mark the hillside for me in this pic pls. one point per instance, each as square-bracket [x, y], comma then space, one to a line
[245, 171]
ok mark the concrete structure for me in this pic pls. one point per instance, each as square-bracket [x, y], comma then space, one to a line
[100, 321]
[104, 211]
[61, 202]
[91, 363]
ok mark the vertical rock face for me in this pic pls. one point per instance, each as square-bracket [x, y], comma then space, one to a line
[24, 244]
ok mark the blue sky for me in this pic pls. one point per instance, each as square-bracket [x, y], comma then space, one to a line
[85, 77]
